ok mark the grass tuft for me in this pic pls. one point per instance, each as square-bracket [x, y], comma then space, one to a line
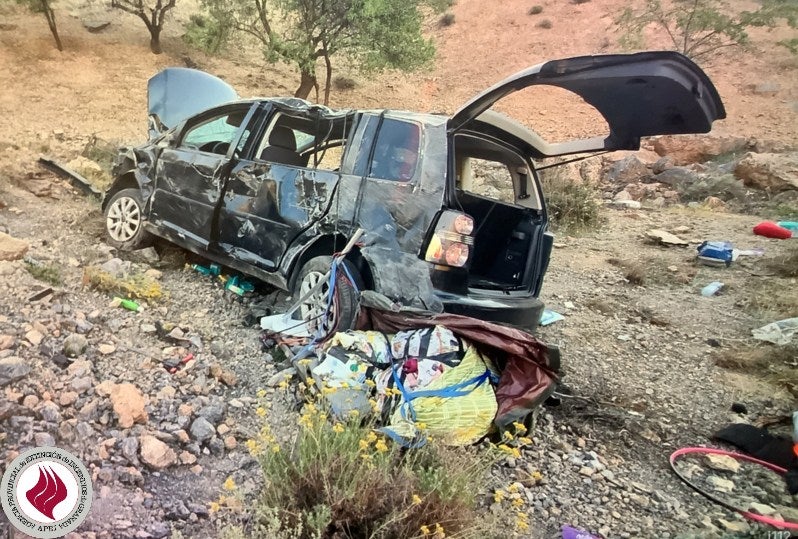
[48, 273]
[447, 19]
[774, 364]
[573, 206]
[546, 24]
[535, 10]
[134, 285]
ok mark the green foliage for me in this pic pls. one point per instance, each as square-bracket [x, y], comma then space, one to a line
[49, 273]
[206, 33]
[341, 479]
[374, 34]
[573, 206]
[701, 28]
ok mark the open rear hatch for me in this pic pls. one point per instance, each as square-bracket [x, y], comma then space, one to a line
[651, 93]
[639, 95]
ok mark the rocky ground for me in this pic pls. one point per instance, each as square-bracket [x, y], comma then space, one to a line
[92, 377]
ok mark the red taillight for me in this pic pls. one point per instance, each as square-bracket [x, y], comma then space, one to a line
[450, 244]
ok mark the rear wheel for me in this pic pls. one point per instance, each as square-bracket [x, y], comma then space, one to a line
[124, 221]
[342, 312]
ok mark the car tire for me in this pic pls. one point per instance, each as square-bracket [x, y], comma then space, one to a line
[124, 221]
[344, 307]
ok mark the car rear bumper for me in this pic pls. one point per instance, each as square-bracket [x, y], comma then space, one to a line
[519, 311]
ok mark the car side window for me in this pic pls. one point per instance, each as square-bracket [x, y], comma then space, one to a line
[396, 150]
[214, 135]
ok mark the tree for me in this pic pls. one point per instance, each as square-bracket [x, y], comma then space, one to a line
[375, 34]
[701, 28]
[43, 6]
[152, 15]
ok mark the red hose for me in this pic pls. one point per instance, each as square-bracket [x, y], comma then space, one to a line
[747, 514]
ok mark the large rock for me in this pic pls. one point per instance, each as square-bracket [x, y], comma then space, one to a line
[687, 149]
[12, 369]
[676, 177]
[156, 454]
[129, 404]
[774, 172]
[12, 248]
[628, 170]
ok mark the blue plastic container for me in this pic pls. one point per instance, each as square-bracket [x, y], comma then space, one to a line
[716, 253]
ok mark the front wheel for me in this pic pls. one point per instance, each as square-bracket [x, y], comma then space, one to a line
[342, 312]
[124, 221]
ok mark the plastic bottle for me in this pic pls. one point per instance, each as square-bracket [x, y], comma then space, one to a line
[792, 226]
[128, 304]
[711, 289]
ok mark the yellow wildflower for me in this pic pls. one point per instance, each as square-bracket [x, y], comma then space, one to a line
[513, 488]
[260, 411]
[525, 441]
[306, 421]
[310, 407]
[261, 393]
[328, 390]
[229, 483]
[283, 384]
[520, 428]
[421, 426]
[363, 444]
[365, 456]
[214, 507]
[507, 435]
[380, 446]
[303, 362]
[345, 385]
[498, 496]
[276, 448]
[371, 437]
[425, 530]
[536, 476]
[518, 502]
[371, 383]
[522, 525]
[354, 413]
[439, 532]
[338, 428]
[416, 499]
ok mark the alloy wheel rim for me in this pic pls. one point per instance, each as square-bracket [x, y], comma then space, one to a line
[312, 310]
[124, 219]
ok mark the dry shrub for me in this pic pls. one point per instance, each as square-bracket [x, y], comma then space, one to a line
[572, 206]
[546, 24]
[774, 364]
[447, 19]
[633, 271]
[770, 298]
[134, 285]
[535, 10]
[343, 480]
[344, 83]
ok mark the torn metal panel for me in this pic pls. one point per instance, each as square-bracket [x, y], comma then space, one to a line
[75, 179]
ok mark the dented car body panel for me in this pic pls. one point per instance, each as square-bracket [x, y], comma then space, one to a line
[452, 208]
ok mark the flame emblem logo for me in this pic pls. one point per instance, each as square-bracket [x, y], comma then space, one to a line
[47, 493]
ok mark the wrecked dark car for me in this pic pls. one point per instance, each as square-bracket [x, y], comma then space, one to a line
[274, 187]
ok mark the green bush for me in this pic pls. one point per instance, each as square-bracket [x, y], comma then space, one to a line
[342, 479]
[573, 206]
[206, 33]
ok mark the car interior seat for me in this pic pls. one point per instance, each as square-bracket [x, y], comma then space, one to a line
[282, 147]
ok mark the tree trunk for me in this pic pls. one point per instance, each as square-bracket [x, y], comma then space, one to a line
[50, 16]
[155, 39]
[306, 84]
[328, 80]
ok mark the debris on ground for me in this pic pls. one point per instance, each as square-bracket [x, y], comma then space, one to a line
[716, 253]
[549, 317]
[779, 333]
[711, 289]
[769, 229]
[666, 238]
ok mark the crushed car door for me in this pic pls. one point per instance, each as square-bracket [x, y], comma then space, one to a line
[273, 195]
[190, 174]
[643, 94]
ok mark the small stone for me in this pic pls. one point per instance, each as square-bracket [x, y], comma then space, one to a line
[761, 508]
[34, 337]
[202, 429]
[739, 408]
[723, 463]
[187, 458]
[67, 398]
[230, 442]
[82, 384]
[587, 471]
[719, 484]
[283, 375]
[12, 369]
[106, 349]
[30, 401]
[74, 345]
[213, 413]
[130, 449]
[49, 412]
[182, 436]
[185, 410]
[148, 328]
[44, 439]
[12, 248]
[734, 526]
[156, 454]
[129, 405]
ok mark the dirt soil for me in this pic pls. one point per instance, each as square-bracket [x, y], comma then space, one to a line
[637, 358]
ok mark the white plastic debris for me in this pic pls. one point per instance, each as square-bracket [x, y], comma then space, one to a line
[779, 333]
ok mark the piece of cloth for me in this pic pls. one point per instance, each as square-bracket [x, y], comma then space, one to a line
[769, 229]
[437, 343]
